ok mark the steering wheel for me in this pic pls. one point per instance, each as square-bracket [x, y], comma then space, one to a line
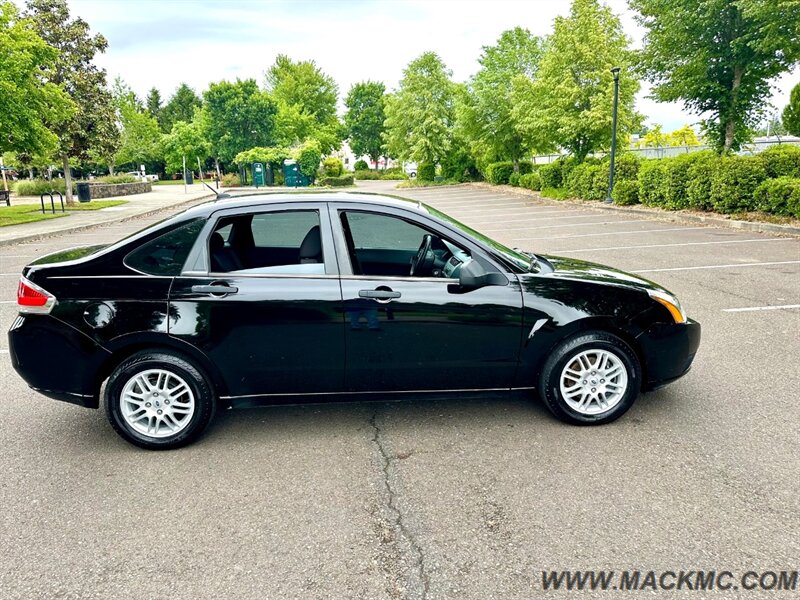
[424, 257]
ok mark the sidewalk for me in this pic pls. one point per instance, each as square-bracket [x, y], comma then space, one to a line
[137, 205]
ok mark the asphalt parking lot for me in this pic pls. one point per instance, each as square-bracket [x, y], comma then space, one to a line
[462, 498]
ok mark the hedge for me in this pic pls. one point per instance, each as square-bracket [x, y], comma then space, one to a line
[781, 161]
[531, 181]
[499, 172]
[625, 192]
[343, 181]
[332, 167]
[360, 165]
[734, 180]
[374, 175]
[513, 179]
[37, 187]
[426, 171]
[779, 196]
[550, 175]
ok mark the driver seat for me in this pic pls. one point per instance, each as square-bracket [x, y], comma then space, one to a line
[311, 248]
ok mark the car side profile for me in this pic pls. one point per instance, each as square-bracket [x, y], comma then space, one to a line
[324, 296]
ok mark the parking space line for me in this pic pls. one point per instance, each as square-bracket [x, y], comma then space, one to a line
[680, 244]
[754, 308]
[731, 266]
[582, 235]
[579, 225]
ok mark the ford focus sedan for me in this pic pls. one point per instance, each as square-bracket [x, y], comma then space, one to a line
[288, 298]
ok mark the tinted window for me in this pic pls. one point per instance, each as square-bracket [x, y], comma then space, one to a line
[166, 254]
[371, 232]
[283, 229]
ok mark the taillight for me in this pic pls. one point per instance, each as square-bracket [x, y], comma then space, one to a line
[33, 299]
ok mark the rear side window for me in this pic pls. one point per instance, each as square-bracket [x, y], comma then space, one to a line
[166, 254]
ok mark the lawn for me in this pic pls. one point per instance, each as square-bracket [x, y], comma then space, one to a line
[28, 213]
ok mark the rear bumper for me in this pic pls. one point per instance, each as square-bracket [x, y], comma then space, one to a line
[669, 351]
[55, 359]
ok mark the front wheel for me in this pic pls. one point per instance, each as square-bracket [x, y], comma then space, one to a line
[158, 401]
[590, 379]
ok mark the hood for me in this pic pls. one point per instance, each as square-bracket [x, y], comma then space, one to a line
[572, 268]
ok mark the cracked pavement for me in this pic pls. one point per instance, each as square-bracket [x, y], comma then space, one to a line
[462, 498]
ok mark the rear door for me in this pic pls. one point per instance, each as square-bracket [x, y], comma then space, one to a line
[419, 333]
[269, 318]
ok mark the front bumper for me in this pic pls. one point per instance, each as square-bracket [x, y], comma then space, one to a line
[55, 359]
[669, 350]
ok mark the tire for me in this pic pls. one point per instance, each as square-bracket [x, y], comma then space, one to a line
[599, 400]
[159, 401]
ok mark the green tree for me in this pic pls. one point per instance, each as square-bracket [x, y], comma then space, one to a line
[27, 103]
[153, 103]
[685, 136]
[92, 124]
[420, 115]
[306, 100]
[718, 57]
[180, 107]
[364, 119]
[569, 104]
[140, 137]
[238, 116]
[487, 115]
[791, 114]
[186, 140]
[655, 137]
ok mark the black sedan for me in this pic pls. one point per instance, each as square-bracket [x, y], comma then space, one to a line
[287, 298]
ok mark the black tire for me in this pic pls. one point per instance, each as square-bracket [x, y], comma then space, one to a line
[550, 379]
[204, 399]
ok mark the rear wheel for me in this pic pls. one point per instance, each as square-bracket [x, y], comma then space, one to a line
[158, 401]
[590, 379]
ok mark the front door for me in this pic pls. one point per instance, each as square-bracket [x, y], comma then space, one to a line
[421, 332]
[267, 310]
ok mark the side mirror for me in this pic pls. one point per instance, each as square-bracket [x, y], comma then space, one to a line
[474, 276]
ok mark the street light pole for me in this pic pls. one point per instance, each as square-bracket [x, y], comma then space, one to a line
[609, 199]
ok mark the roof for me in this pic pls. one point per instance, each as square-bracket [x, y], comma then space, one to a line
[266, 199]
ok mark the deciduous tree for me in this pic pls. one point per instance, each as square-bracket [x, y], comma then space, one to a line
[186, 140]
[420, 115]
[140, 136]
[791, 114]
[92, 124]
[364, 119]
[570, 102]
[181, 107]
[718, 57]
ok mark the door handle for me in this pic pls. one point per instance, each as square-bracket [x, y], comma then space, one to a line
[379, 295]
[214, 290]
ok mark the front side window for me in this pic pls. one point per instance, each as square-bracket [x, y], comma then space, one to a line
[166, 254]
[279, 242]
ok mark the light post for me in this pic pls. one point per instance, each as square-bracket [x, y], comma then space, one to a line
[615, 72]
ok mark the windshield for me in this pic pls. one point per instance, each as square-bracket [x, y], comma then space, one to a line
[515, 258]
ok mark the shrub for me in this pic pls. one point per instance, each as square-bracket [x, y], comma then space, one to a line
[37, 187]
[530, 181]
[308, 157]
[677, 196]
[115, 179]
[499, 172]
[780, 196]
[332, 167]
[626, 167]
[653, 182]
[581, 179]
[699, 176]
[342, 181]
[525, 167]
[459, 165]
[567, 163]
[625, 192]
[513, 179]
[367, 175]
[231, 180]
[734, 181]
[781, 161]
[361, 165]
[550, 175]
[393, 175]
[426, 171]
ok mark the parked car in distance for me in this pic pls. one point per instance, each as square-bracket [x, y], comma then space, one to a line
[314, 297]
[143, 176]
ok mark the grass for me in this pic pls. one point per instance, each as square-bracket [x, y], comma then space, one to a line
[170, 182]
[29, 213]
[555, 193]
[415, 183]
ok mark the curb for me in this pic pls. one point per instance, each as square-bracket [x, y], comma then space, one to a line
[663, 215]
[41, 236]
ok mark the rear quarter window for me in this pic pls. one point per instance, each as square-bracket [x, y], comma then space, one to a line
[166, 254]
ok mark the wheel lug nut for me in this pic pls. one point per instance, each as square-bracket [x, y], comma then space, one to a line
[148, 405]
[602, 381]
[593, 389]
[584, 382]
[166, 401]
[161, 411]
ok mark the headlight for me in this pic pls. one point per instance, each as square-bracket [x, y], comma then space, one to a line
[671, 302]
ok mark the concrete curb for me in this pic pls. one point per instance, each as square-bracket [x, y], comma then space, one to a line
[32, 237]
[652, 213]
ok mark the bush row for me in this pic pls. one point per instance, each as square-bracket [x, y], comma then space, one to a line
[374, 174]
[37, 187]
[702, 180]
[341, 181]
[503, 172]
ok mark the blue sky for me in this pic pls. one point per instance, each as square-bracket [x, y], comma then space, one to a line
[163, 42]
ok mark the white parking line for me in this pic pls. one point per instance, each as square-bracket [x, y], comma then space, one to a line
[753, 308]
[582, 235]
[681, 244]
[733, 266]
[578, 225]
